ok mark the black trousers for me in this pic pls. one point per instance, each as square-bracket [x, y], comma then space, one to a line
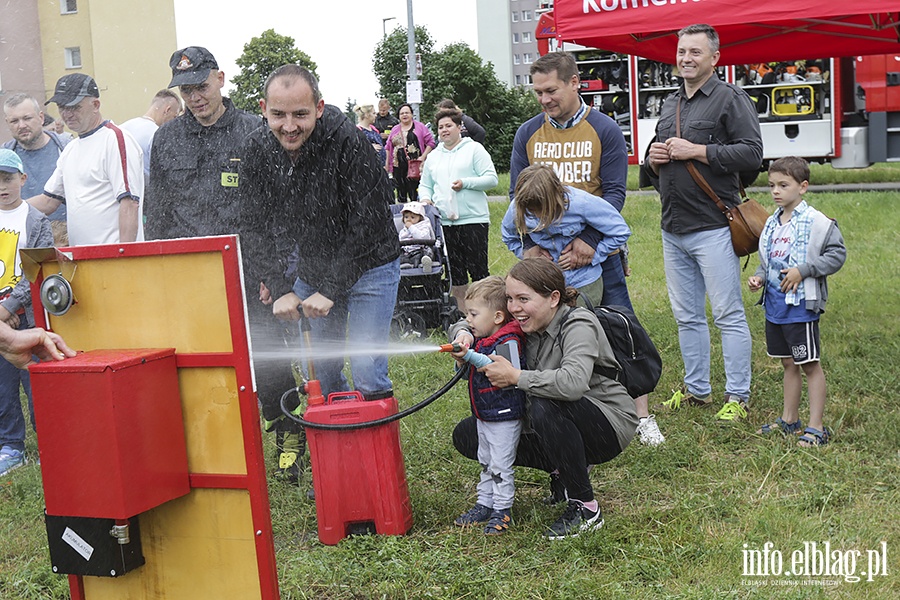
[275, 344]
[407, 189]
[567, 436]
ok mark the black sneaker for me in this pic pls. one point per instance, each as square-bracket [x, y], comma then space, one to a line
[557, 490]
[498, 523]
[476, 515]
[576, 519]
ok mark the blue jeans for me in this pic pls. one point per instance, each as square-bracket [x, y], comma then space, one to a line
[700, 264]
[12, 421]
[615, 290]
[362, 315]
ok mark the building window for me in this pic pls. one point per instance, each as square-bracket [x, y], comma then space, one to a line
[68, 7]
[515, 16]
[527, 58]
[516, 59]
[526, 15]
[515, 38]
[518, 80]
[527, 79]
[526, 37]
[73, 58]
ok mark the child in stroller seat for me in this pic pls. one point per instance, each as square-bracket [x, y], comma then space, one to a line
[416, 226]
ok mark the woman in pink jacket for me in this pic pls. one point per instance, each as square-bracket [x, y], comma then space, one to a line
[409, 142]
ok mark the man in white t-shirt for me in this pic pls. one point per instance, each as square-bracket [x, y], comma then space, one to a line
[165, 106]
[99, 176]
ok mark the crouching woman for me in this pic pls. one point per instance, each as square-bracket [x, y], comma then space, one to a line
[576, 417]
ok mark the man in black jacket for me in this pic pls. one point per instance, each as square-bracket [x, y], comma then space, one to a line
[193, 193]
[315, 203]
[192, 190]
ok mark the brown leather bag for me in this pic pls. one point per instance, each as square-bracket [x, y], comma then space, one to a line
[746, 220]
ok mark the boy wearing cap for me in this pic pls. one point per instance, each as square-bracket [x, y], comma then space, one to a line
[193, 181]
[99, 175]
[416, 226]
[21, 226]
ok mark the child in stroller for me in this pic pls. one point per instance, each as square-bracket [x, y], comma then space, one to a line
[416, 226]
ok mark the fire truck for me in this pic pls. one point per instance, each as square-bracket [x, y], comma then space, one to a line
[839, 109]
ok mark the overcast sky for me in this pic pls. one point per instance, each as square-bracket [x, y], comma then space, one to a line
[339, 35]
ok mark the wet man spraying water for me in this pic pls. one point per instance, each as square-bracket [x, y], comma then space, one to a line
[310, 183]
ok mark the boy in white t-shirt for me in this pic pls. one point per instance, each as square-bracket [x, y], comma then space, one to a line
[21, 226]
[799, 247]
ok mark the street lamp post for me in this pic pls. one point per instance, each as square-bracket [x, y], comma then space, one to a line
[384, 24]
[411, 49]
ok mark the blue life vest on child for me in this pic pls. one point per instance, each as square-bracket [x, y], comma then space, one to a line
[491, 403]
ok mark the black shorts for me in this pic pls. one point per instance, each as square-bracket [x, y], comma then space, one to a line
[799, 341]
[467, 249]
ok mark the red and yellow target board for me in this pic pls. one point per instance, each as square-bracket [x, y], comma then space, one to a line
[214, 540]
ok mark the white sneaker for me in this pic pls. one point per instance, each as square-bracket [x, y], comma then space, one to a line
[426, 264]
[649, 433]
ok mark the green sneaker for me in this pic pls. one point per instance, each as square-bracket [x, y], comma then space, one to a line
[682, 395]
[735, 409]
[289, 449]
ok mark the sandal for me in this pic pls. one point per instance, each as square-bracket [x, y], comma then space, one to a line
[813, 437]
[781, 426]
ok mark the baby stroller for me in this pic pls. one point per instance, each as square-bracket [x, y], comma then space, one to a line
[423, 299]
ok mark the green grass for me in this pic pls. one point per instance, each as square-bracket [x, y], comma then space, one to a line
[819, 174]
[677, 517]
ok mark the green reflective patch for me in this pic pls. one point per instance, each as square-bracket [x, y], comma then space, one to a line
[229, 179]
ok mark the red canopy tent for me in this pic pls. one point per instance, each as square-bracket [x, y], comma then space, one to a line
[749, 30]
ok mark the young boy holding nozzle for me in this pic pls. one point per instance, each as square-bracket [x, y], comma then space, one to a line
[499, 412]
[798, 248]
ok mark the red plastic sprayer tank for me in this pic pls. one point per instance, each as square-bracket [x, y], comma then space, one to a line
[358, 475]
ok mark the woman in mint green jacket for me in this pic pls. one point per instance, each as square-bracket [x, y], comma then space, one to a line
[454, 179]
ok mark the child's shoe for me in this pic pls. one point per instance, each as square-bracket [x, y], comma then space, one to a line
[426, 264]
[813, 437]
[498, 523]
[476, 515]
[781, 426]
[648, 431]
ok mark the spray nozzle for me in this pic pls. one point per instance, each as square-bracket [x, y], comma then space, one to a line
[451, 348]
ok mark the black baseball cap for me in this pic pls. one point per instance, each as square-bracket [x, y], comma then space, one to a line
[71, 89]
[191, 66]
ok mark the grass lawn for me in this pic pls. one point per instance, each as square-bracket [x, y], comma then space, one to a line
[678, 517]
[819, 174]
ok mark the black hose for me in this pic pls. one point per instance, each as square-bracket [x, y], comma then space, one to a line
[389, 419]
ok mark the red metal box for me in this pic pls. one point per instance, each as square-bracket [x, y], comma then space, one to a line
[596, 85]
[111, 435]
[358, 475]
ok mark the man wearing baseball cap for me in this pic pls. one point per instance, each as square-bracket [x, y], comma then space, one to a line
[193, 171]
[99, 175]
[192, 192]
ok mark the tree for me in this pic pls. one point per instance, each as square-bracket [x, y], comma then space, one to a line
[458, 73]
[261, 56]
[389, 62]
[348, 110]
